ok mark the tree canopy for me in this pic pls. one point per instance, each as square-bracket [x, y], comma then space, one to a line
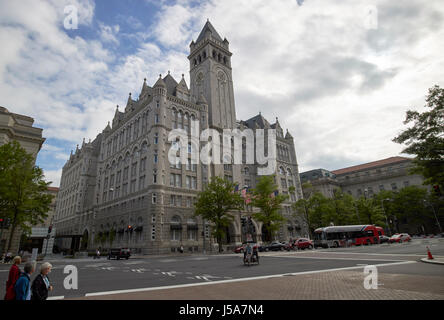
[269, 204]
[23, 196]
[425, 139]
[215, 203]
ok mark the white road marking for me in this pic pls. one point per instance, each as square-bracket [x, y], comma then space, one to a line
[56, 298]
[238, 280]
[375, 254]
[335, 258]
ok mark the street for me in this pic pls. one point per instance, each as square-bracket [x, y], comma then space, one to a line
[97, 278]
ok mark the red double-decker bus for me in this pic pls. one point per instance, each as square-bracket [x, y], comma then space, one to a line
[343, 236]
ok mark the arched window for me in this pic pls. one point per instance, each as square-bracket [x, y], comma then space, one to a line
[192, 229]
[281, 171]
[246, 170]
[176, 228]
[289, 172]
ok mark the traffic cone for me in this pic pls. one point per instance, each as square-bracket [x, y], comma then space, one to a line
[429, 254]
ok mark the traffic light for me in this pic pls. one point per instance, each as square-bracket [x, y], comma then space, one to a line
[437, 190]
[49, 229]
[1, 222]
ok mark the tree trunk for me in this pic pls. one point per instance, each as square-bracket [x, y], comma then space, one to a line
[219, 243]
[14, 225]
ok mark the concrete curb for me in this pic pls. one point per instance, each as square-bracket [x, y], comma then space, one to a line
[434, 261]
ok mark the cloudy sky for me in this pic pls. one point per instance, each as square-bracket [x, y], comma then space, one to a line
[338, 74]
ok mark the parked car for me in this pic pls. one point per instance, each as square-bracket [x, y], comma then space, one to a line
[274, 246]
[303, 243]
[400, 237]
[383, 239]
[120, 253]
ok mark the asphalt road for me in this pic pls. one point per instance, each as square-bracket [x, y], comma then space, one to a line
[148, 272]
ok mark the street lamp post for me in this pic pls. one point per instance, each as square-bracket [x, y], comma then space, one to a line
[436, 218]
[385, 214]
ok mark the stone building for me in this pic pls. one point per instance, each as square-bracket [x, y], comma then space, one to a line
[365, 179]
[120, 190]
[321, 180]
[17, 127]
[370, 178]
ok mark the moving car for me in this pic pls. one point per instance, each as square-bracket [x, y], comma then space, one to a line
[400, 237]
[383, 239]
[120, 253]
[303, 243]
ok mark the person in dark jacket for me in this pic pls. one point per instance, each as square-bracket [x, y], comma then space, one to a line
[23, 284]
[40, 285]
[14, 274]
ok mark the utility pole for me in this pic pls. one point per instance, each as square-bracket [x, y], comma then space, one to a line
[385, 214]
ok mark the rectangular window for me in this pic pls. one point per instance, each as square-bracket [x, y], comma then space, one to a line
[141, 182]
[156, 118]
[188, 182]
[194, 182]
[154, 178]
[179, 201]
[155, 158]
[178, 181]
[406, 183]
[172, 180]
[156, 138]
[381, 187]
[173, 200]
[394, 186]
[154, 198]
[284, 183]
[189, 202]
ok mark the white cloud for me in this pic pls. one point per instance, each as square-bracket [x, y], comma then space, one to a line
[108, 33]
[340, 88]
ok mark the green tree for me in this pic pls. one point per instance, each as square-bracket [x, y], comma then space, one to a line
[23, 196]
[344, 208]
[370, 212]
[112, 236]
[425, 139]
[269, 205]
[409, 206]
[215, 203]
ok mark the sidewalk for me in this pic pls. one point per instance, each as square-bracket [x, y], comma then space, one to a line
[434, 260]
[342, 285]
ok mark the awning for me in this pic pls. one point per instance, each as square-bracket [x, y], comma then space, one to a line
[175, 226]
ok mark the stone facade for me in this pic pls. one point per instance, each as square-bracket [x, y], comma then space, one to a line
[17, 127]
[123, 181]
[321, 180]
[370, 178]
[366, 179]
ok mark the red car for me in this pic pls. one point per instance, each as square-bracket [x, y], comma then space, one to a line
[400, 237]
[241, 249]
[303, 243]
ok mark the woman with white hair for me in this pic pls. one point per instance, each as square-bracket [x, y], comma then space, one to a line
[41, 286]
